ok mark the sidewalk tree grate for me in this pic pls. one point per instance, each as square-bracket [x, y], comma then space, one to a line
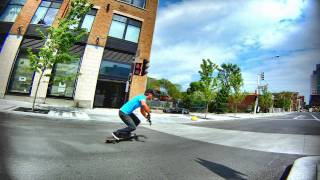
[24, 109]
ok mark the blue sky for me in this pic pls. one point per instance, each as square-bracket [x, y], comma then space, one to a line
[249, 33]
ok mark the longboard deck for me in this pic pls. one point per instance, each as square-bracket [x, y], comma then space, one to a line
[113, 140]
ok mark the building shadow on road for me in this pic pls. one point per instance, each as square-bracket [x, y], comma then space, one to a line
[221, 170]
[4, 151]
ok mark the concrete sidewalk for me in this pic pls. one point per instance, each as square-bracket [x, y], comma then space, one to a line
[111, 115]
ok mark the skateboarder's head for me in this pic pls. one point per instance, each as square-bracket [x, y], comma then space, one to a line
[149, 93]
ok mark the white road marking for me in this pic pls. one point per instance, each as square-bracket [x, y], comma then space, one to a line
[297, 117]
[314, 117]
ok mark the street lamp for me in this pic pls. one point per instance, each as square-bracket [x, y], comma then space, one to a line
[260, 76]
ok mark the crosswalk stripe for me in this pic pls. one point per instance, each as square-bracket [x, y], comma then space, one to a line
[314, 117]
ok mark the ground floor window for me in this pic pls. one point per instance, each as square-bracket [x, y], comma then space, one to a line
[63, 81]
[110, 94]
[22, 76]
[114, 70]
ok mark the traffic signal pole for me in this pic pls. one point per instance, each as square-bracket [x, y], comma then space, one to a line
[257, 93]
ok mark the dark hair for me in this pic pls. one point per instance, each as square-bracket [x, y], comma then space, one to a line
[149, 91]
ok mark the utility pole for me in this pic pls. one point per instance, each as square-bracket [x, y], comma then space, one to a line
[257, 93]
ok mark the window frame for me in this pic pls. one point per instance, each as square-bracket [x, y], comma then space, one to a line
[51, 6]
[53, 72]
[127, 23]
[13, 4]
[114, 77]
[92, 12]
[20, 53]
[131, 4]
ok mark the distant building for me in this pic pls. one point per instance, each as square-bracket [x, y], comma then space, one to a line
[314, 101]
[315, 81]
[301, 102]
[315, 87]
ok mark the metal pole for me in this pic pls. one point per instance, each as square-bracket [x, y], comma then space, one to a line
[257, 92]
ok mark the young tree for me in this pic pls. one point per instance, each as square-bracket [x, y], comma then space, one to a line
[265, 100]
[236, 82]
[283, 100]
[208, 81]
[230, 81]
[58, 41]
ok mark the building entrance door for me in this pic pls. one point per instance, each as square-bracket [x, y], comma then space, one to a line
[109, 94]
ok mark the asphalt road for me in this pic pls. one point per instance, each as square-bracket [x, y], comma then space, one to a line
[38, 148]
[295, 123]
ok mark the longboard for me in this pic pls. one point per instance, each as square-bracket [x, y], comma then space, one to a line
[113, 140]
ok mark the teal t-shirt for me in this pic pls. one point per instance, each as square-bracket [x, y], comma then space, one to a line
[133, 104]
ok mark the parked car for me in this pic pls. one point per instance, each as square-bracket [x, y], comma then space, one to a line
[176, 110]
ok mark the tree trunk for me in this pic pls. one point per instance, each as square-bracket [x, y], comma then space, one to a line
[35, 95]
[207, 107]
[236, 109]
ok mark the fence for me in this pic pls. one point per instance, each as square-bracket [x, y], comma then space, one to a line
[160, 104]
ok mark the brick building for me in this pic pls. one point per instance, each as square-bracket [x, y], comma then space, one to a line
[119, 33]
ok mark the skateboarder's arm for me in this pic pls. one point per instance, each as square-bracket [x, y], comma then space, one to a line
[145, 107]
[143, 112]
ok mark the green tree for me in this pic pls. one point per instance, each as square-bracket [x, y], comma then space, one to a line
[236, 82]
[58, 42]
[230, 80]
[153, 83]
[194, 86]
[221, 101]
[208, 82]
[192, 98]
[265, 100]
[171, 89]
[283, 100]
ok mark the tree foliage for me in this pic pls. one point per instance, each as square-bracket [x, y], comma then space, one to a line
[208, 81]
[166, 86]
[265, 100]
[283, 100]
[230, 83]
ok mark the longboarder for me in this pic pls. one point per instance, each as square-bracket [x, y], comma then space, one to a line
[129, 118]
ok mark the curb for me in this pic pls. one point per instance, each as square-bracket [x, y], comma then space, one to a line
[305, 168]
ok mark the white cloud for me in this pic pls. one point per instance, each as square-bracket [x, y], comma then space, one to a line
[232, 31]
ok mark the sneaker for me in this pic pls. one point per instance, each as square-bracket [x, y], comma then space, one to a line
[116, 135]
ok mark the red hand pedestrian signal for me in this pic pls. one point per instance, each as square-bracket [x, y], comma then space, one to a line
[137, 68]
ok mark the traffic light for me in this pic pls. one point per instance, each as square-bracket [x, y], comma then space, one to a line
[262, 76]
[145, 66]
[137, 68]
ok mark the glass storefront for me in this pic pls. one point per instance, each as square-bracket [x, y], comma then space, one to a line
[112, 79]
[114, 70]
[110, 94]
[21, 76]
[63, 82]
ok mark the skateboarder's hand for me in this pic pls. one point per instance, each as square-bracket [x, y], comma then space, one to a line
[149, 118]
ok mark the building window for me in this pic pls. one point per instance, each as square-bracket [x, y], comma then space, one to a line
[138, 3]
[87, 21]
[125, 28]
[60, 87]
[114, 70]
[21, 76]
[46, 12]
[12, 10]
